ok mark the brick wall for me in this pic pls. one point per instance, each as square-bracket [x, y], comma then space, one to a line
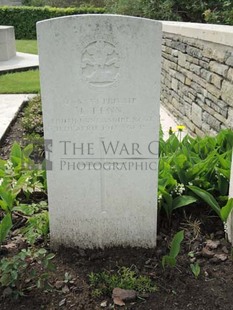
[197, 78]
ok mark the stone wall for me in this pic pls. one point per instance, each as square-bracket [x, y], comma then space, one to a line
[197, 75]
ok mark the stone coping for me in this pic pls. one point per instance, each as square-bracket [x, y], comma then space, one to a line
[19, 62]
[207, 32]
[6, 27]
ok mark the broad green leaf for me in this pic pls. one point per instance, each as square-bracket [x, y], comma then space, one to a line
[224, 172]
[226, 210]
[225, 164]
[223, 185]
[28, 150]
[25, 209]
[5, 227]
[180, 160]
[182, 201]
[207, 197]
[16, 151]
[4, 206]
[16, 161]
[42, 251]
[8, 198]
[50, 256]
[175, 244]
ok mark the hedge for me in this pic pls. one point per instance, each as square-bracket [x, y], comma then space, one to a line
[24, 18]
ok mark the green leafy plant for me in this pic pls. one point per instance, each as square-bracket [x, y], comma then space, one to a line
[196, 269]
[36, 226]
[200, 162]
[170, 260]
[125, 278]
[223, 212]
[17, 177]
[27, 269]
[35, 124]
[5, 227]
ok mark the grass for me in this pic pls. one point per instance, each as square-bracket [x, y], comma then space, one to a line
[20, 83]
[27, 46]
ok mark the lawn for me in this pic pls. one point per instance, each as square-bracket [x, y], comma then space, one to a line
[20, 82]
[27, 46]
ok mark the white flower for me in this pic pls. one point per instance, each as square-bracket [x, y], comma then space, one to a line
[1, 181]
[179, 189]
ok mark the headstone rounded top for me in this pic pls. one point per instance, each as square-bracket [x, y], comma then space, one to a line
[99, 16]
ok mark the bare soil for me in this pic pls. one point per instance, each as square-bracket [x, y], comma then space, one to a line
[177, 287]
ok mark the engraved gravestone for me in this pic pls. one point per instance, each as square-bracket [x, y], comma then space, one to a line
[100, 87]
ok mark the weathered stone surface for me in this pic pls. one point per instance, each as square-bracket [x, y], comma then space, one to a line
[214, 113]
[175, 84]
[175, 53]
[213, 90]
[193, 51]
[214, 52]
[204, 64]
[188, 108]
[171, 58]
[208, 71]
[230, 74]
[219, 106]
[212, 121]
[226, 92]
[192, 60]
[216, 80]
[199, 132]
[187, 100]
[229, 61]
[205, 74]
[187, 81]
[201, 97]
[179, 76]
[218, 68]
[178, 46]
[211, 97]
[205, 127]
[194, 68]
[229, 122]
[198, 80]
[196, 114]
[182, 59]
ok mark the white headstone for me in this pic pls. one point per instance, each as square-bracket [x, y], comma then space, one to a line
[230, 219]
[7, 43]
[100, 86]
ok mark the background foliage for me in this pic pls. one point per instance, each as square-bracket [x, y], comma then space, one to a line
[24, 18]
[212, 11]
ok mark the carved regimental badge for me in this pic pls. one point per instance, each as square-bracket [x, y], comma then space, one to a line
[100, 63]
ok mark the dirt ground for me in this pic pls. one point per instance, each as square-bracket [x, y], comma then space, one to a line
[177, 287]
